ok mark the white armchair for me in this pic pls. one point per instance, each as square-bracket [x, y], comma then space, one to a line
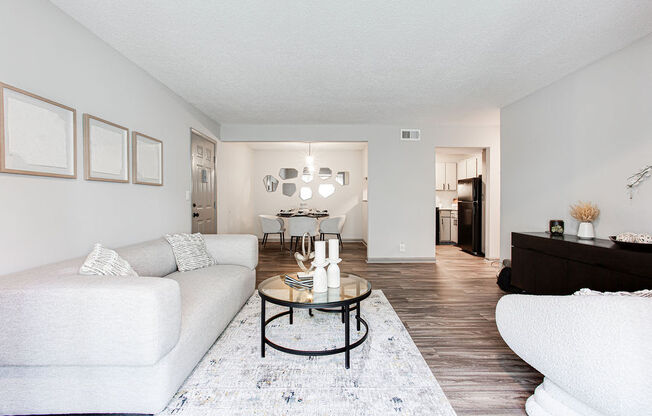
[298, 226]
[332, 225]
[594, 351]
[272, 225]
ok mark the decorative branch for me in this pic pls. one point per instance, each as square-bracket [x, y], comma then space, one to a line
[637, 178]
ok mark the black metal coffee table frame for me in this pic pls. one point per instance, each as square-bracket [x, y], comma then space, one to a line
[344, 308]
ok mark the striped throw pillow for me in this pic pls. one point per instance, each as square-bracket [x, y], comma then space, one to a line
[190, 251]
[105, 262]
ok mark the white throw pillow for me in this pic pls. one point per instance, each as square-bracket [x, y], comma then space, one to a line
[190, 251]
[106, 262]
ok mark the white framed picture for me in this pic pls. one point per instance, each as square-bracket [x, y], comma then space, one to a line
[148, 160]
[106, 150]
[37, 136]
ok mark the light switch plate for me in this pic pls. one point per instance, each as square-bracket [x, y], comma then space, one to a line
[187, 195]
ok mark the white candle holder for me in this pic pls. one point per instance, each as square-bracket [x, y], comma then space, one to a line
[319, 278]
[333, 273]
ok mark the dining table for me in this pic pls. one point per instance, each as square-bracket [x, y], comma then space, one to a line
[312, 213]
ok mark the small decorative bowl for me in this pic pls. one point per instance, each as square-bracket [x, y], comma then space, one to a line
[647, 247]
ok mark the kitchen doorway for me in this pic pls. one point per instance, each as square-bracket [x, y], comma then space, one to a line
[460, 187]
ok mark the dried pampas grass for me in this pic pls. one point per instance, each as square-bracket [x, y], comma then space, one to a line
[584, 211]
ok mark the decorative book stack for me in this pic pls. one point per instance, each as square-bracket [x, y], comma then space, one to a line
[300, 283]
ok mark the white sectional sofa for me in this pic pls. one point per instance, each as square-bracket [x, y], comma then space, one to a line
[94, 344]
[594, 351]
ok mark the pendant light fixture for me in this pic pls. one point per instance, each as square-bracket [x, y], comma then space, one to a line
[310, 161]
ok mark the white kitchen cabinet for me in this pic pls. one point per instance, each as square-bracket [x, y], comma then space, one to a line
[440, 176]
[454, 226]
[461, 170]
[444, 226]
[446, 176]
[472, 167]
[451, 176]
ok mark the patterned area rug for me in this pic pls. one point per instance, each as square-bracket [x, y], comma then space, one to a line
[388, 375]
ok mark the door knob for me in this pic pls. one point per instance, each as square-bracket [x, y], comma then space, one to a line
[195, 214]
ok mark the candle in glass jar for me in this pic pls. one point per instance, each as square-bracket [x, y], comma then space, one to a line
[320, 252]
[333, 249]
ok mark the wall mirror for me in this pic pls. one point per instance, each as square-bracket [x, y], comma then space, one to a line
[289, 189]
[306, 175]
[305, 193]
[342, 178]
[270, 183]
[325, 173]
[288, 173]
[326, 189]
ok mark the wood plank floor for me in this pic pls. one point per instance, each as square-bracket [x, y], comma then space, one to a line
[448, 309]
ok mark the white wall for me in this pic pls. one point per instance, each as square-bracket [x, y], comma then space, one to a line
[44, 51]
[347, 200]
[365, 208]
[579, 139]
[401, 186]
[235, 180]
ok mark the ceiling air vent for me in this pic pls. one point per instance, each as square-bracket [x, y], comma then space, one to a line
[411, 135]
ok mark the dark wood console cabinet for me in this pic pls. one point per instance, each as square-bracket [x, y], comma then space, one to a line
[547, 265]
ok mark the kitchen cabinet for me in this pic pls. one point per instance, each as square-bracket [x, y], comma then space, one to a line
[444, 226]
[461, 170]
[469, 168]
[472, 167]
[451, 176]
[454, 226]
[446, 176]
[440, 176]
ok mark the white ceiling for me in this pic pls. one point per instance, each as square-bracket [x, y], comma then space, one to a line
[342, 61]
[315, 147]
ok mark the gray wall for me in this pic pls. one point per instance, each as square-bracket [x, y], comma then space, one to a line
[46, 52]
[579, 139]
[401, 188]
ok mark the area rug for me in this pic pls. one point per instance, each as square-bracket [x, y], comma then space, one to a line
[388, 375]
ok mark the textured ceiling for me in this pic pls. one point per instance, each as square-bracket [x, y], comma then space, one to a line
[342, 61]
[318, 146]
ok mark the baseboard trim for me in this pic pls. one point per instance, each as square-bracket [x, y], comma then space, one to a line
[401, 260]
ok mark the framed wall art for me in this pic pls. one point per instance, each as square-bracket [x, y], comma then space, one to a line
[106, 150]
[148, 160]
[37, 136]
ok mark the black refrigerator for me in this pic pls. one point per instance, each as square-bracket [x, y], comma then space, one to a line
[469, 215]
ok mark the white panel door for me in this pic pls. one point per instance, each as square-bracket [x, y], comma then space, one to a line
[440, 176]
[203, 186]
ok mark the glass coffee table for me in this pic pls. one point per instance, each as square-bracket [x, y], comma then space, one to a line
[344, 299]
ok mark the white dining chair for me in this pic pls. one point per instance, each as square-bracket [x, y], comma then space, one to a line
[333, 226]
[272, 225]
[298, 226]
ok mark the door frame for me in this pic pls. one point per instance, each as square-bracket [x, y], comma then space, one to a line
[214, 141]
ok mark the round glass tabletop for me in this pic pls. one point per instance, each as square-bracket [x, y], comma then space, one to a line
[352, 287]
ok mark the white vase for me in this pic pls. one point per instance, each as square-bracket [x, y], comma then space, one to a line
[585, 231]
[334, 273]
[319, 280]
